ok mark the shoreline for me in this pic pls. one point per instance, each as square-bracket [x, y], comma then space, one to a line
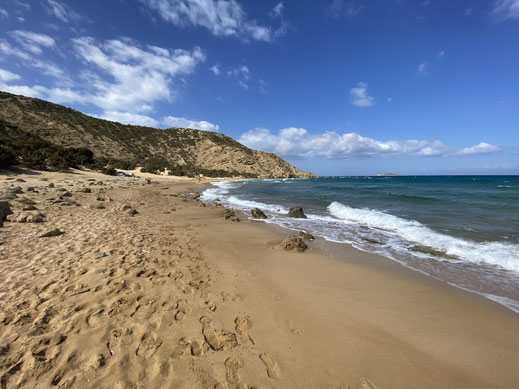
[187, 299]
[473, 277]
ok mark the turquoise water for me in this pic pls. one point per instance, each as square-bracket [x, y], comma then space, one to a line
[461, 229]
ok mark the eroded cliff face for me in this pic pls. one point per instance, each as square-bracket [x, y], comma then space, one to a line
[178, 146]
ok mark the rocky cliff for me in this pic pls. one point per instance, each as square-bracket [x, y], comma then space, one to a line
[180, 147]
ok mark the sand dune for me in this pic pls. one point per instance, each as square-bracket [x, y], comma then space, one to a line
[173, 296]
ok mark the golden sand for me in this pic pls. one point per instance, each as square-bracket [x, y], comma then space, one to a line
[176, 297]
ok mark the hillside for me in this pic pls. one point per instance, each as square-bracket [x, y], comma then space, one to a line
[176, 147]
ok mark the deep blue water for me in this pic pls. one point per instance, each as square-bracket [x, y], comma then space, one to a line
[460, 229]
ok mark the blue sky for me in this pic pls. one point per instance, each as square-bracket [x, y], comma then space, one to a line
[337, 87]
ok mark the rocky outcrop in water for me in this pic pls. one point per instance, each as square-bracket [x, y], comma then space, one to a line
[296, 212]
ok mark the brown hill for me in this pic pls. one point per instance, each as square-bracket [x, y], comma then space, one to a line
[177, 147]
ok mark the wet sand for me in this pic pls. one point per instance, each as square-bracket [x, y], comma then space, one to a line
[175, 296]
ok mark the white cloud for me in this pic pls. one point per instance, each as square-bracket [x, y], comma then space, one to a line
[56, 95]
[137, 77]
[121, 77]
[507, 9]
[171, 121]
[215, 69]
[23, 5]
[221, 17]
[338, 8]
[482, 148]
[129, 118]
[241, 74]
[3, 13]
[441, 54]
[6, 76]
[7, 49]
[423, 68]
[299, 144]
[359, 96]
[62, 11]
[277, 11]
[32, 41]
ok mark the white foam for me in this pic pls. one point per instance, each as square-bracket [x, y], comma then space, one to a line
[501, 254]
[246, 205]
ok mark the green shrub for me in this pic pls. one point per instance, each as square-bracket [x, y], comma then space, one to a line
[7, 157]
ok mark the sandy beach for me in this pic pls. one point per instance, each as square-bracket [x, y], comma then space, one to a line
[145, 287]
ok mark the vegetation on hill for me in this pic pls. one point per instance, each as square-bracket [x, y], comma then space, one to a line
[60, 136]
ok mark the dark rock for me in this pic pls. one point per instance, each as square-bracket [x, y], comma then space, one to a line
[431, 251]
[51, 185]
[54, 232]
[17, 190]
[293, 242]
[97, 206]
[85, 190]
[126, 206]
[132, 212]
[27, 217]
[67, 194]
[100, 198]
[296, 212]
[20, 180]
[99, 255]
[25, 200]
[147, 181]
[228, 214]
[195, 195]
[257, 213]
[29, 207]
[306, 236]
[31, 189]
[7, 196]
[5, 209]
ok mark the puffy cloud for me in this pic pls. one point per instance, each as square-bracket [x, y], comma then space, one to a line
[56, 95]
[32, 41]
[423, 68]
[359, 96]
[221, 17]
[507, 9]
[171, 121]
[482, 148]
[215, 69]
[277, 11]
[297, 143]
[129, 118]
[6, 76]
[121, 77]
[62, 11]
[140, 76]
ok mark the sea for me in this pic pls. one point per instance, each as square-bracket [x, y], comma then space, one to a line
[463, 230]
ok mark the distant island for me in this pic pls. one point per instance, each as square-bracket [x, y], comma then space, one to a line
[388, 175]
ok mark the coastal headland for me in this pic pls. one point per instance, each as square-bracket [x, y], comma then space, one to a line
[116, 282]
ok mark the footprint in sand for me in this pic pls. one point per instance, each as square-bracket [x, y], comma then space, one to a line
[242, 325]
[95, 319]
[367, 384]
[149, 345]
[218, 340]
[271, 364]
[231, 366]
